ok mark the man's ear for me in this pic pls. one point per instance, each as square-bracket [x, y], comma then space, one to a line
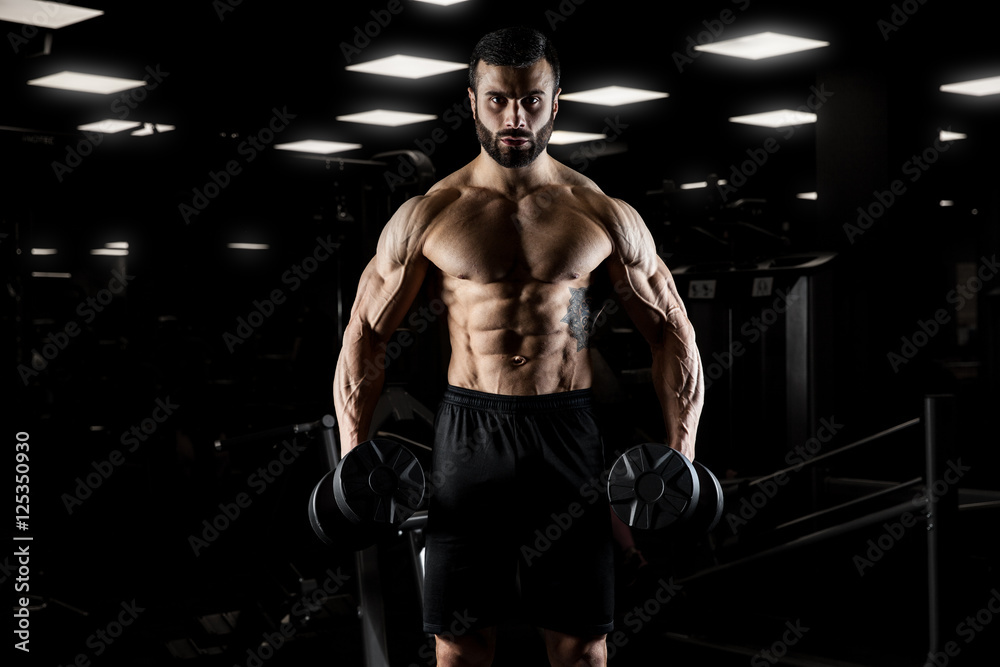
[555, 102]
[472, 101]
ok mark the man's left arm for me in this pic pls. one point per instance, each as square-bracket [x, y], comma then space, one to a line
[647, 291]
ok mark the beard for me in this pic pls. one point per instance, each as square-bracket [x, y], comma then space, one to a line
[513, 157]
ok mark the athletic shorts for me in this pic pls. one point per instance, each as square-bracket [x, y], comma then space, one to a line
[518, 529]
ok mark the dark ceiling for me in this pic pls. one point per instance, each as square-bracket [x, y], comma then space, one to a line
[226, 65]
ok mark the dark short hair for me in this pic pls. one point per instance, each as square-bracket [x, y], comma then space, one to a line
[513, 47]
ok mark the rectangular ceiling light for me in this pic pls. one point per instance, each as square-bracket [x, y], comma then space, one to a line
[108, 126]
[316, 146]
[86, 83]
[53, 15]
[443, 3]
[109, 252]
[563, 137]
[613, 96]
[386, 118]
[121, 245]
[147, 129]
[807, 195]
[248, 246]
[779, 118]
[945, 135]
[50, 274]
[976, 87]
[761, 45]
[43, 251]
[407, 67]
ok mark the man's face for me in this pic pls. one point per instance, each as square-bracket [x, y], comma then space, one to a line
[514, 111]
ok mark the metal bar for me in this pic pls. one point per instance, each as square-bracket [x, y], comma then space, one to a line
[863, 441]
[373, 634]
[818, 536]
[849, 503]
[986, 504]
[939, 424]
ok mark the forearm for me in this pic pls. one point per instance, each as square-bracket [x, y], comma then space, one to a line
[679, 384]
[357, 385]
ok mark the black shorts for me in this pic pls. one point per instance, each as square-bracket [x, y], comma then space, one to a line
[518, 528]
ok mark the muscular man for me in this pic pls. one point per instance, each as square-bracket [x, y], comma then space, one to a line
[521, 244]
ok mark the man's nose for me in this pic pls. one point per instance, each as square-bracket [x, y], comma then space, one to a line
[514, 115]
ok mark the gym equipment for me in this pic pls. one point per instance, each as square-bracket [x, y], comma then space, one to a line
[652, 486]
[375, 488]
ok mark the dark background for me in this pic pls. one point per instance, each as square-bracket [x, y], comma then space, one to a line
[225, 69]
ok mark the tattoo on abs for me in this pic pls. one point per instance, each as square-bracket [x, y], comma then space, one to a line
[580, 317]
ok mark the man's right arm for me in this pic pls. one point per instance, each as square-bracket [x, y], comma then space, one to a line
[386, 290]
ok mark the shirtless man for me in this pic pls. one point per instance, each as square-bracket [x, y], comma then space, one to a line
[521, 244]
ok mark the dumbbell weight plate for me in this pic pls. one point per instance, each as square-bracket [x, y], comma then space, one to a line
[652, 486]
[379, 482]
[710, 502]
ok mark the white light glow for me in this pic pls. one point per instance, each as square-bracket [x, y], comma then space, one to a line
[248, 246]
[761, 45]
[807, 195]
[779, 118]
[86, 83]
[43, 251]
[613, 96]
[945, 135]
[108, 126]
[147, 129]
[316, 146]
[52, 15]
[50, 274]
[694, 186]
[122, 245]
[386, 118]
[109, 252]
[563, 137]
[946, 202]
[407, 67]
[443, 3]
[976, 87]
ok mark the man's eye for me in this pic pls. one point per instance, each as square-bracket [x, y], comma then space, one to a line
[497, 100]
[532, 100]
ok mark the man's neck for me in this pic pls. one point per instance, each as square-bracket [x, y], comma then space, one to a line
[513, 183]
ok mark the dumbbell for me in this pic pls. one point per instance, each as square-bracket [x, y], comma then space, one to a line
[376, 487]
[652, 486]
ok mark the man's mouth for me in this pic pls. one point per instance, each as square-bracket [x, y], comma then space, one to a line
[514, 141]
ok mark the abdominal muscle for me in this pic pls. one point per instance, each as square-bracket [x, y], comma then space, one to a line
[508, 338]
